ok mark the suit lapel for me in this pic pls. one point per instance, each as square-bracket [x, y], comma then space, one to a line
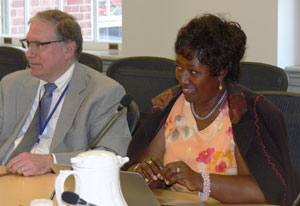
[74, 96]
[24, 99]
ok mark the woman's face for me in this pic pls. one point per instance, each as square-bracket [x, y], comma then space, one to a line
[198, 85]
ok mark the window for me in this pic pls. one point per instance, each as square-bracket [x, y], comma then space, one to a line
[100, 20]
[109, 22]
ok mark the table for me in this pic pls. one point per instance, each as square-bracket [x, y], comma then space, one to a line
[16, 190]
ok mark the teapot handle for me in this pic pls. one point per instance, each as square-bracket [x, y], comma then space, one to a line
[59, 184]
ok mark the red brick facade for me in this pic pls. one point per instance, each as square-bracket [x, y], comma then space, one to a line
[81, 9]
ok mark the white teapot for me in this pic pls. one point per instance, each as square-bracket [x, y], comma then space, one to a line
[97, 178]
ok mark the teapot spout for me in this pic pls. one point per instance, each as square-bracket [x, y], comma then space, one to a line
[122, 160]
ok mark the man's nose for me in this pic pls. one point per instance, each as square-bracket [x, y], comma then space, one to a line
[30, 52]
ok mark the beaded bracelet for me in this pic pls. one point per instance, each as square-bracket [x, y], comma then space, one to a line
[206, 186]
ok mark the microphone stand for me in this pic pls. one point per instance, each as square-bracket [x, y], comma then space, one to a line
[297, 200]
[107, 126]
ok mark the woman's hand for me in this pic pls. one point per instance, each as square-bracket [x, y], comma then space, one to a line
[150, 168]
[179, 172]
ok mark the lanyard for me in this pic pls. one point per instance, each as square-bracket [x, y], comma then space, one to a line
[41, 126]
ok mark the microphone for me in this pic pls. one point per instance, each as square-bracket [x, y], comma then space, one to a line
[74, 199]
[125, 101]
[297, 200]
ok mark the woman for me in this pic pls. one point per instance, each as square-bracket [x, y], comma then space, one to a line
[215, 137]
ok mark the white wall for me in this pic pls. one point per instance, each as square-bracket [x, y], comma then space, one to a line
[288, 33]
[297, 33]
[150, 26]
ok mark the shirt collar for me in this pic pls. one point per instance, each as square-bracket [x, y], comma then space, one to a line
[62, 81]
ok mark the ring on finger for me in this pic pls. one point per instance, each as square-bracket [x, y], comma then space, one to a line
[178, 170]
[22, 169]
[136, 166]
[149, 162]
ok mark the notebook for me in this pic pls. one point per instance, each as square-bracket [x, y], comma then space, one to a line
[136, 191]
[134, 188]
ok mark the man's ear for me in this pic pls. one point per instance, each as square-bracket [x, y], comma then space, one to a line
[69, 50]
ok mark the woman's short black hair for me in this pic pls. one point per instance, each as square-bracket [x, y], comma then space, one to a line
[218, 43]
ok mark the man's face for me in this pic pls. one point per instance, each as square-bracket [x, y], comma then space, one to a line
[48, 62]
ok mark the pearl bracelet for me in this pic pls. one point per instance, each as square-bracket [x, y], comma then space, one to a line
[206, 186]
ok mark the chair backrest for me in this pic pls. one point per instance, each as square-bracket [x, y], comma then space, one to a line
[91, 60]
[11, 59]
[289, 104]
[263, 77]
[133, 116]
[143, 77]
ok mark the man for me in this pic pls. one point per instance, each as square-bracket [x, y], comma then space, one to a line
[82, 101]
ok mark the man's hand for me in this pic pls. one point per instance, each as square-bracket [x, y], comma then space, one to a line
[28, 164]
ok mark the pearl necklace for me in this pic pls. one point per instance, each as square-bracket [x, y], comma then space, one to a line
[221, 100]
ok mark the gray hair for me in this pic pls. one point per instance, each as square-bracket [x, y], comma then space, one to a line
[67, 29]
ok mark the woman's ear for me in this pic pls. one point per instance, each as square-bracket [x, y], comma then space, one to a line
[223, 74]
[221, 77]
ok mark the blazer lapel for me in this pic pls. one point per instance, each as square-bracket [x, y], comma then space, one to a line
[24, 99]
[74, 96]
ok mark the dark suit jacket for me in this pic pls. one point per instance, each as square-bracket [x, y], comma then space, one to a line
[90, 101]
[259, 132]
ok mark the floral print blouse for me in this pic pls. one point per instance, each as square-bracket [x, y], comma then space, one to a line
[211, 149]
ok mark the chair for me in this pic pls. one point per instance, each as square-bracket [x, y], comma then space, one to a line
[11, 59]
[91, 60]
[289, 104]
[143, 77]
[133, 116]
[263, 77]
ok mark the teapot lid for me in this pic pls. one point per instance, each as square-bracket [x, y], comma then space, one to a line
[96, 159]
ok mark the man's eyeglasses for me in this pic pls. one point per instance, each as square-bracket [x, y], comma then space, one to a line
[36, 45]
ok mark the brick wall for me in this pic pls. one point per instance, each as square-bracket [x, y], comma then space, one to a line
[80, 9]
[17, 17]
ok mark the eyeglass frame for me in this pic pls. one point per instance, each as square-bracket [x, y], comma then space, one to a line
[38, 44]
